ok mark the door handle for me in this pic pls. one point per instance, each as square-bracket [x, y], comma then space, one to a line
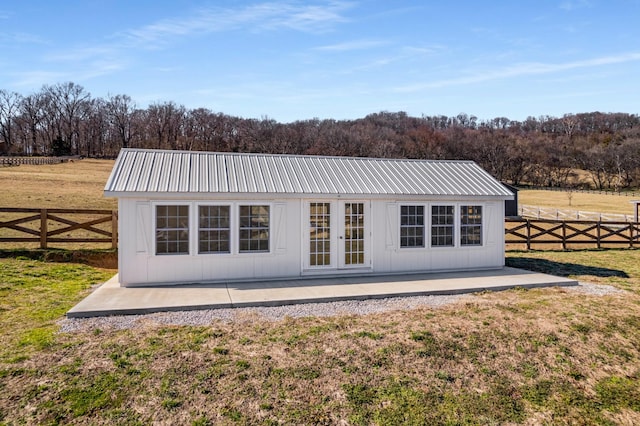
[340, 236]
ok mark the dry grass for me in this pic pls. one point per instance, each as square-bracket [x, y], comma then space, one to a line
[543, 356]
[77, 184]
[580, 201]
[73, 185]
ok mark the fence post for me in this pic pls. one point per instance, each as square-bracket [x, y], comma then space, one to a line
[564, 235]
[528, 234]
[43, 229]
[114, 229]
[598, 233]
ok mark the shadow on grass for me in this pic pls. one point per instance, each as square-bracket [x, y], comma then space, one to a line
[107, 259]
[562, 269]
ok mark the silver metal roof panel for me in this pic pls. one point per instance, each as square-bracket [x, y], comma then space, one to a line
[159, 171]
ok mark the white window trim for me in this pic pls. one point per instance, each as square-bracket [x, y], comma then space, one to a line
[425, 226]
[154, 223]
[237, 251]
[232, 238]
[455, 225]
[234, 224]
[333, 242]
[482, 224]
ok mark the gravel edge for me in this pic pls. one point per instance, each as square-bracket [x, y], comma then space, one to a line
[277, 313]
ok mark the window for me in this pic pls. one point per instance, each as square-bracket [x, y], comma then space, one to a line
[442, 226]
[411, 226]
[320, 234]
[471, 225]
[254, 229]
[213, 229]
[172, 229]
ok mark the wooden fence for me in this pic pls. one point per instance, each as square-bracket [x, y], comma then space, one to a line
[623, 193]
[16, 161]
[536, 212]
[571, 233]
[45, 226]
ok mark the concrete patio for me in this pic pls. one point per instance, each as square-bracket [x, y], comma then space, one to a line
[111, 299]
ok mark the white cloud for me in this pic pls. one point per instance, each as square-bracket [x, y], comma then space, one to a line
[570, 5]
[258, 17]
[353, 45]
[522, 69]
[81, 54]
[35, 79]
[20, 38]
[103, 58]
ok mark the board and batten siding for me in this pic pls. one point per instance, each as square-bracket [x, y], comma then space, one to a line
[139, 265]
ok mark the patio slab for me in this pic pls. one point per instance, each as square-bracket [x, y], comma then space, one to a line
[111, 299]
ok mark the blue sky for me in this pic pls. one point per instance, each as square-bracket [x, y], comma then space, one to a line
[294, 60]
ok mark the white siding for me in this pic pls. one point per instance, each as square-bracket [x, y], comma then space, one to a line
[138, 263]
[389, 257]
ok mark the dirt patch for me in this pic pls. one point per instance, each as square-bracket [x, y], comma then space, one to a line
[104, 259]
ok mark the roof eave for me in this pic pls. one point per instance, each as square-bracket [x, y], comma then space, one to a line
[285, 195]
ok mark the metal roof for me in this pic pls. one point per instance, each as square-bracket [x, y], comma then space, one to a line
[157, 171]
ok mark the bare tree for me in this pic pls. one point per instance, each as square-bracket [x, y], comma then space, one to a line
[30, 120]
[9, 107]
[71, 105]
[119, 110]
[164, 123]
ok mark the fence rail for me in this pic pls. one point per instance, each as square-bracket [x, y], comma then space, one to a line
[564, 214]
[67, 226]
[16, 161]
[45, 226]
[623, 193]
[571, 233]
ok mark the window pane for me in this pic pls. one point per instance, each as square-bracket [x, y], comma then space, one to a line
[354, 232]
[411, 225]
[172, 229]
[319, 233]
[442, 226]
[213, 235]
[471, 225]
[254, 228]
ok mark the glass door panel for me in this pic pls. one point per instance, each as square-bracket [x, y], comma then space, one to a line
[319, 234]
[354, 234]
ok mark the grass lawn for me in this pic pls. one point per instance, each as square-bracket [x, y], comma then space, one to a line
[543, 356]
[600, 203]
[73, 185]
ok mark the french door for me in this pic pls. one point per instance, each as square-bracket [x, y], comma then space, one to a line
[352, 239]
[337, 235]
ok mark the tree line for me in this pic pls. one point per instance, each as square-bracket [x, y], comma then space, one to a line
[597, 150]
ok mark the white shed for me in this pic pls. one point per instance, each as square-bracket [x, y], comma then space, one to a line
[194, 217]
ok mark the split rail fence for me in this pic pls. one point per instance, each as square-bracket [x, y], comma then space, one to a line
[68, 226]
[16, 161]
[564, 214]
[567, 234]
[60, 226]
